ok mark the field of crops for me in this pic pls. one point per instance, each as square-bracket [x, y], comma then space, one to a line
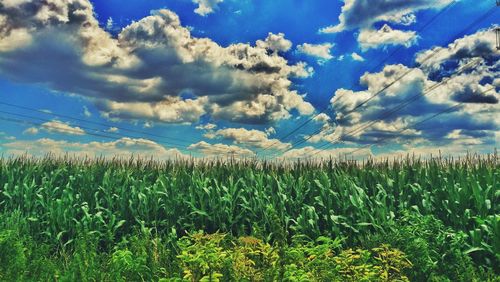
[111, 220]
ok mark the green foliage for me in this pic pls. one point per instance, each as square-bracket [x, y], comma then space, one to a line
[84, 263]
[127, 267]
[392, 263]
[103, 219]
[202, 256]
[355, 265]
[313, 257]
[436, 252]
[253, 260]
[12, 256]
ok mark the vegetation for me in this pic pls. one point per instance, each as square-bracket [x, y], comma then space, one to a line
[114, 220]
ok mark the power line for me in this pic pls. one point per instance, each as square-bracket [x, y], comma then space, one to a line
[447, 110]
[324, 109]
[478, 20]
[68, 130]
[415, 97]
[395, 109]
[95, 132]
[82, 127]
[90, 122]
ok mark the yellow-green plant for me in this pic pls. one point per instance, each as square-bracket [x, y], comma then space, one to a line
[391, 262]
[202, 256]
[355, 265]
[253, 260]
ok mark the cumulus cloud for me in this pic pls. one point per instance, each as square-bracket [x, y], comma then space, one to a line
[124, 147]
[385, 36]
[5, 137]
[206, 7]
[249, 138]
[481, 44]
[112, 130]
[86, 112]
[319, 51]
[270, 131]
[275, 42]
[310, 152]
[474, 122]
[146, 71]
[62, 127]
[31, 131]
[357, 57]
[208, 126]
[364, 13]
[221, 150]
[56, 126]
[322, 118]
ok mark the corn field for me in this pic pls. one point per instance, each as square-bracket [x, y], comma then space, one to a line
[60, 201]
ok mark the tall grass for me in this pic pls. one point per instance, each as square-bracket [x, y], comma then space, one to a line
[108, 199]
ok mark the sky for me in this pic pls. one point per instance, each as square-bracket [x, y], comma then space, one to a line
[283, 79]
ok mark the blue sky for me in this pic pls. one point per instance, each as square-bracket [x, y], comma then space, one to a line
[209, 78]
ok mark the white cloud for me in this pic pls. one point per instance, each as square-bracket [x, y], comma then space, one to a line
[322, 118]
[385, 36]
[124, 147]
[170, 110]
[86, 112]
[275, 42]
[221, 150]
[475, 122]
[14, 3]
[110, 24]
[9, 138]
[270, 131]
[143, 72]
[208, 126]
[310, 152]
[481, 45]
[31, 131]
[206, 7]
[319, 51]
[363, 13]
[357, 57]
[15, 39]
[251, 138]
[148, 124]
[113, 130]
[56, 126]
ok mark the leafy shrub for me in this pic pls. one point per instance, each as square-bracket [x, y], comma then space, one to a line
[43, 264]
[84, 263]
[355, 265]
[202, 256]
[436, 252]
[313, 257]
[12, 256]
[391, 263]
[253, 260]
[126, 266]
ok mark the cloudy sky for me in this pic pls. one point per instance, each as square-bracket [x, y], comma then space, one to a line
[246, 78]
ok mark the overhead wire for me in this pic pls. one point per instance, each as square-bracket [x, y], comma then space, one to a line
[84, 130]
[89, 121]
[323, 110]
[394, 110]
[83, 127]
[477, 21]
[415, 125]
